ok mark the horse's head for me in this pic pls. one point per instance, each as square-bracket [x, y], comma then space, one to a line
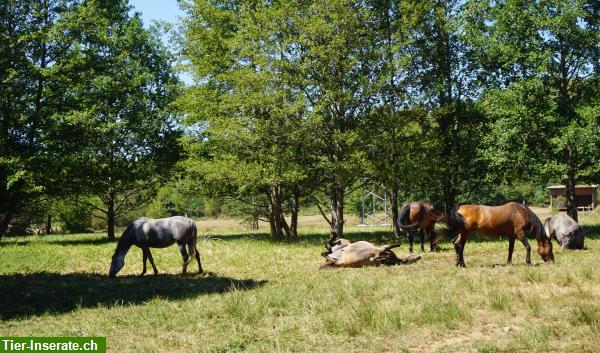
[545, 250]
[117, 263]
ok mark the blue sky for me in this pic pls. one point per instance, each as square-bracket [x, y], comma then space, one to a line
[165, 10]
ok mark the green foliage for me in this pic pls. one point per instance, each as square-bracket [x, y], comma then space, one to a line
[178, 198]
[33, 94]
[86, 109]
[122, 129]
[542, 59]
[74, 218]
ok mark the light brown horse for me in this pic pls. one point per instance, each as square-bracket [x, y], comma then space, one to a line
[420, 216]
[511, 220]
[343, 253]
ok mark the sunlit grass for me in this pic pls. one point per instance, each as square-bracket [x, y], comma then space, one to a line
[264, 296]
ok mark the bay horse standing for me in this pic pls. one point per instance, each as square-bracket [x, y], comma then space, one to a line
[511, 220]
[147, 233]
[420, 216]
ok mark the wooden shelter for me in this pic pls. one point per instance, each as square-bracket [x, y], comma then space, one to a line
[585, 196]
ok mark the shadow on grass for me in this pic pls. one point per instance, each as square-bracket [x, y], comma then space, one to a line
[44, 292]
[66, 240]
[14, 243]
[82, 241]
[591, 231]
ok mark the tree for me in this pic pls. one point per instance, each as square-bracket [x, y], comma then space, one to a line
[441, 77]
[253, 119]
[334, 66]
[395, 134]
[120, 138]
[542, 57]
[33, 95]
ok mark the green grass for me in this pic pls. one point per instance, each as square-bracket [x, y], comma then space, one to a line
[262, 296]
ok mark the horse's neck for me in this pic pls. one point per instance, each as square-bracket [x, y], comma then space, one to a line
[123, 246]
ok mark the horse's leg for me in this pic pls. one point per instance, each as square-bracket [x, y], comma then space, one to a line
[422, 234]
[144, 259]
[521, 235]
[525, 242]
[185, 256]
[411, 238]
[432, 240]
[192, 251]
[151, 261]
[198, 260]
[511, 247]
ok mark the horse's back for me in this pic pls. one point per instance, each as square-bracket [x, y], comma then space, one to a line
[567, 231]
[505, 219]
[419, 213]
[163, 232]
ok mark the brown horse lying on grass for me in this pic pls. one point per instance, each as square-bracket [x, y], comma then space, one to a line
[511, 220]
[420, 216]
[343, 253]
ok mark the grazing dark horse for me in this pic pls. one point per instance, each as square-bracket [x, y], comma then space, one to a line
[511, 220]
[147, 233]
[420, 216]
[566, 231]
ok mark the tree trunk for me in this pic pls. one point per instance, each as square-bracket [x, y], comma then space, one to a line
[49, 224]
[295, 210]
[337, 211]
[570, 196]
[5, 222]
[110, 215]
[275, 213]
[395, 213]
[570, 182]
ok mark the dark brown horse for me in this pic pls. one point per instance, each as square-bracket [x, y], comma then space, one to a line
[511, 220]
[420, 216]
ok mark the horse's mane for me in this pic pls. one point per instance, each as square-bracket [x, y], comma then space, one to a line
[535, 225]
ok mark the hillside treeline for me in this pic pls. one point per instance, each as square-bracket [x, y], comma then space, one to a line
[294, 105]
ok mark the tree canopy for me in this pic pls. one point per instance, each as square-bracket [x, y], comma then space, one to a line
[296, 103]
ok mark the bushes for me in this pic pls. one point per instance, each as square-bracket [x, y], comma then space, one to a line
[75, 218]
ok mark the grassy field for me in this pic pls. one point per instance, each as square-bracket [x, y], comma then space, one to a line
[261, 296]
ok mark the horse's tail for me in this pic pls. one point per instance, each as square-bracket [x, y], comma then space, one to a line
[404, 218]
[535, 226]
[455, 220]
[193, 239]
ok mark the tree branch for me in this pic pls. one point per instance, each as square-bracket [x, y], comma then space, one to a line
[90, 205]
[321, 210]
[239, 198]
